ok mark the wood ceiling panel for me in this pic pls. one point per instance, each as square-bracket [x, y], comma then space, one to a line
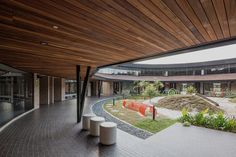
[222, 17]
[101, 32]
[211, 14]
[230, 7]
[200, 12]
[135, 16]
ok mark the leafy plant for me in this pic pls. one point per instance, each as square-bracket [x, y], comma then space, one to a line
[158, 85]
[150, 91]
[203, 118]
[230, 125]
[142, 85]
[172, 91]
[191, 90]
[199, 118]
[186, 117]
[219, 122]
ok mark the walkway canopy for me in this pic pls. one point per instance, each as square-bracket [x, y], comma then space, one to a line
[51, 37]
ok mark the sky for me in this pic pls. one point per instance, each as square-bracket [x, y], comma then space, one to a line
[211, 54]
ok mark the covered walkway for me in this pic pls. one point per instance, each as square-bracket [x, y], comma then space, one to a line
[52, 131]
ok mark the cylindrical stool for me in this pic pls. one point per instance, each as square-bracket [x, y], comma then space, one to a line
[86, 121]
[108, 133]
[94, 125]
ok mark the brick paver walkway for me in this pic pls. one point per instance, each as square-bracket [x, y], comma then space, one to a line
[51, 131]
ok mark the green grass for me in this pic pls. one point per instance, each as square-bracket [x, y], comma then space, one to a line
[134, 118]
[141, 97]
[136, 97]
[155, 126]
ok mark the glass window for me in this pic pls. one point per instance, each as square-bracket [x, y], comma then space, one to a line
[15, 93]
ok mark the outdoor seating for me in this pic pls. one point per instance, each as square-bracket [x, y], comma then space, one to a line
[108, 133]
[86, 121]
[94, 125]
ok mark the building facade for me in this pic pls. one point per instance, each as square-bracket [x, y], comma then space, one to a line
[214, 78]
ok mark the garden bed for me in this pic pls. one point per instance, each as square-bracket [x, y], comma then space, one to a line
[190, 102]
[97, 108]
[205, 119]
[135, 119]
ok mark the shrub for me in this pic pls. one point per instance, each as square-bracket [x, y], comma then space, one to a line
[191, 90]
[230, 125]
[186, 117]
[218, 122]
[187, 124]
[199, 118]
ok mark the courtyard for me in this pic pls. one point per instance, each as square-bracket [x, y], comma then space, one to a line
[138, 112]
[59, 135]
[117, 78]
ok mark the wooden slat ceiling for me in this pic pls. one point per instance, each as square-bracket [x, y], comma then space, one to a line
[100, 32]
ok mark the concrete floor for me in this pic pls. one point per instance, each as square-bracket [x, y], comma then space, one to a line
[226, 105]
[52, 131]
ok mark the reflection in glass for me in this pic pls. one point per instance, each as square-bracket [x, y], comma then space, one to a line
[15, 93]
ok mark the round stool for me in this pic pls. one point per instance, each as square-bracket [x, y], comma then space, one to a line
[86, 121]
[94, 125]
[108, 133]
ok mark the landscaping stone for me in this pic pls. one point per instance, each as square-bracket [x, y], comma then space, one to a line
[98, 110]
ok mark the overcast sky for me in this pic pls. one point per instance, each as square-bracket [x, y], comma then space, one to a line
[211, 54]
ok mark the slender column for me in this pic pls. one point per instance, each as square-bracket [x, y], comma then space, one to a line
[99, 88]
[84, 90]
[78, 92]
[12, 89]
[45, 90]
[229, 85]
[201, 88]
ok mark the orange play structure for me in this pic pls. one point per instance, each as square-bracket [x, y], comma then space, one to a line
[139, 107]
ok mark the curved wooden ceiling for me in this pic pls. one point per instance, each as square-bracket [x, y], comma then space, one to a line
[52, 36]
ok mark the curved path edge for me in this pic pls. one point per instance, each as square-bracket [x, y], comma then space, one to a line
[97, 108]
[16, 118]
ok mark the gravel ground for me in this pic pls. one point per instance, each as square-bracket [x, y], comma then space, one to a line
[228, 107]
[98, 110]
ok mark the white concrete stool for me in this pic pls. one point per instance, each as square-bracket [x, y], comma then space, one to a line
[86, 121]
[94, 125]
[108, 133]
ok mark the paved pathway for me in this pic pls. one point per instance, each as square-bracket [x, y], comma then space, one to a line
[163, 111]
[179, 141]
[51, 131]
[227, 106]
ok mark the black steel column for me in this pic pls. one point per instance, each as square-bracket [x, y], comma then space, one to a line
[78, 81]
[84, 90]
[99, 88]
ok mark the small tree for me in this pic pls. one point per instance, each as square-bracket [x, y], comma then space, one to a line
[143, 84]
[158, 85]
[140, 85]
[136, 86]
[150, 91]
